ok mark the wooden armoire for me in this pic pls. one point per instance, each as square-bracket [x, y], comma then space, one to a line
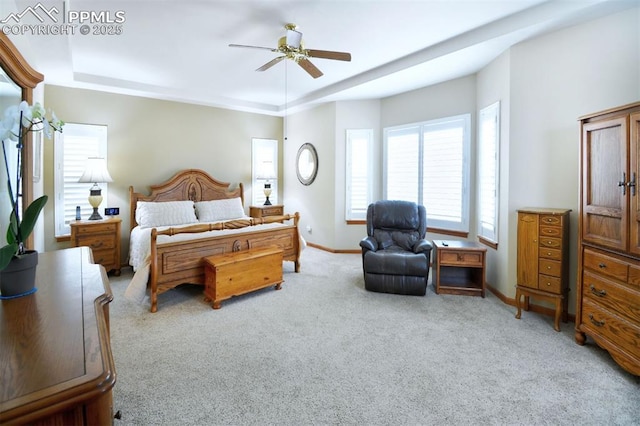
[608, 304]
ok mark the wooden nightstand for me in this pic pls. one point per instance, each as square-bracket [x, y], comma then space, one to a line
[103, 237]
[262, 211]
[460, 268]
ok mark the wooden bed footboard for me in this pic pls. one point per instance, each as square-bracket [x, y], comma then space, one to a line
[180, 262]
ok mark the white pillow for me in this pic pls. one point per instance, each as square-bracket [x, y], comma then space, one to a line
[216, 210]
[165, 213]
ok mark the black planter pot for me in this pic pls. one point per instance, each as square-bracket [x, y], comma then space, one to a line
[19, 278]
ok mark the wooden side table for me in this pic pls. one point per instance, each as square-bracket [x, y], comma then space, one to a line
[103, 236]
[262, 211]
[460, 268]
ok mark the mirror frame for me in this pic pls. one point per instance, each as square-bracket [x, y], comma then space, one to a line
[314, 155]
[19, 70]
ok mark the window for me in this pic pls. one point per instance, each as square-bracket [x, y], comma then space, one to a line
[428, 163]
[488, 172]
[72, 148]
[358, 168]
[264, 170]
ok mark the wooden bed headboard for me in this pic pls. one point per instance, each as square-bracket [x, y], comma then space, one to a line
[192, 184]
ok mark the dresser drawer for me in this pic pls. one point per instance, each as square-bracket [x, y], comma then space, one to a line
[550, 231]
[104, 257]
[550, 267]
[634, 276]
[272, 211]
[623, 332]
[605, 265]
[549, 283]
[611, 295]
[550, 242]
[97, 242]
[549, 253]
[549, 219]
[466, 258]
[98, 228]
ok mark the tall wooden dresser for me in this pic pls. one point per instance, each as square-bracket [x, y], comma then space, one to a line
[55, 347]
[608, 304]
[543, 259]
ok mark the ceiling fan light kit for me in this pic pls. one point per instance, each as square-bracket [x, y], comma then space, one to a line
[291, 47]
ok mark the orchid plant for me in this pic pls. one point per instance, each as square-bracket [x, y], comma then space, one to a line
[17, 122]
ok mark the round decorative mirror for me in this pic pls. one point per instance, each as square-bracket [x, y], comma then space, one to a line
[307, 164]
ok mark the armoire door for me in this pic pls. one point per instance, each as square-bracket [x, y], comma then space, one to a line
[527, 266]
[605, 145]
[632, 184]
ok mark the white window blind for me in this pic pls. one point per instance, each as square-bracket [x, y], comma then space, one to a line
[72, 148]
[402, 168]
[428, 163]
[488, 171]
[264, 168]
[358, 173]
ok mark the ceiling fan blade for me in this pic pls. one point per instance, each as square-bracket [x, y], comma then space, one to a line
[294, 38]
[310, 68]
[328, 54]
[270, 63]
[253, 47]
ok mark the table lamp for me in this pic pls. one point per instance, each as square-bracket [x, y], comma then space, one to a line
[96, 172]
[266, 171]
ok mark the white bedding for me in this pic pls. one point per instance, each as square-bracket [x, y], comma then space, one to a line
[140, 251]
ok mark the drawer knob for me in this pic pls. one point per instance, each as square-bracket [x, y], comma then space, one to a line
[548, 284]
[548, 253]
[548, 267]
[602, 265]
[595, 321]
[96, 245]
[599, 293]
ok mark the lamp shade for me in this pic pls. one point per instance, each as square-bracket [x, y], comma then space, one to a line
[266, 170]
[96, 171]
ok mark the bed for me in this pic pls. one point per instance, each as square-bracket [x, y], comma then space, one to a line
[167, 246]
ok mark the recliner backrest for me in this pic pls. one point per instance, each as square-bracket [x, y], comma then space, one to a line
[395, 222]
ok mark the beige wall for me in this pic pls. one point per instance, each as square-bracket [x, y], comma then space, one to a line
[322, 204]
[494, 84]
[150, 140]
[315, 202]
[554, 80]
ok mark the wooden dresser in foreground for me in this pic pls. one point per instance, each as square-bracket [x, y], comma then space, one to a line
[55, 349]
[608, 304]
[103, 236]
[543, 259]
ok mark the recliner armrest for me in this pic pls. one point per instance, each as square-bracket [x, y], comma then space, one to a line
[422, 246]
[369, 243]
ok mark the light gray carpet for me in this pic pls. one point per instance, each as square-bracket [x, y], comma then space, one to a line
[325, 351]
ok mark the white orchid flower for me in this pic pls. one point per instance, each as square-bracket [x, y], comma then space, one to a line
[37, 111]
[27, 115]
[46, 127]
[5, 132]
[56, 122]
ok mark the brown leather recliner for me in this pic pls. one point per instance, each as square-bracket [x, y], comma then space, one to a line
[395, 254]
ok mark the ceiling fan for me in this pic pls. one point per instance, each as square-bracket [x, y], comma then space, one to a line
[291, 47]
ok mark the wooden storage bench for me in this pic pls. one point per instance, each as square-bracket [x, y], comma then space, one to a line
[236, 273]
